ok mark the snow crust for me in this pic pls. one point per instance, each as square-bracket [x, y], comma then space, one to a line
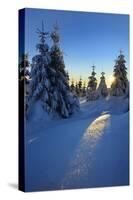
[89, 149]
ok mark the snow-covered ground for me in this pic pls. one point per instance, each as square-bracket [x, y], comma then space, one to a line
[90, 149]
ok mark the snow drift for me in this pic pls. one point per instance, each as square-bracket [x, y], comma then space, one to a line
[89, 149]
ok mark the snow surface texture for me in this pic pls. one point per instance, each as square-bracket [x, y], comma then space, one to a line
[90, 149]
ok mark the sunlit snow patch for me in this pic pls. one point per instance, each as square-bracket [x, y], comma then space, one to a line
[81, 164]
[96, 128]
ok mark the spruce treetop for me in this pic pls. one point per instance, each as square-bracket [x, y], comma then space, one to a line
[42, 46]
[55, 34]
[103, 76]
[92, 77]
[72, 83]
[80, 82]
[42, 34]
[93, 70]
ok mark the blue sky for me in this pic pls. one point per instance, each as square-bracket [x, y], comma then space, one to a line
[86, 38]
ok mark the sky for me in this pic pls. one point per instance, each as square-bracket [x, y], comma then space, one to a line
[86, 39]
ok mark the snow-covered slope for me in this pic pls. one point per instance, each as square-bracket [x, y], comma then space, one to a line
[90, 149]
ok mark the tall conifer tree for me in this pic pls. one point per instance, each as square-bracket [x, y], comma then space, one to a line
[102, 90]
[66, 102]
[120, 85]
[92, 85]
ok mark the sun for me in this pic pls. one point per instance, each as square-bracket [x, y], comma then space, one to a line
[111, 79]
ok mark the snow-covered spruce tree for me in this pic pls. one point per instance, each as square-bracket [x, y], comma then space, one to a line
[120, 85]
[77, 89]
[102, 90]
[68, 78]
[41, 72]
[72, 86]
[27, 73]
[84, 89]
[64, 102]
[80, 86]
[24, 66]
[24, 72]
[92, 85]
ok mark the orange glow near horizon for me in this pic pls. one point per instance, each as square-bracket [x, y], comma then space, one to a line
[109, 80]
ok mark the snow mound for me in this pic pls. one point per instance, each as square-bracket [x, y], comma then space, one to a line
[112, 105]
[38, 113]
[118, 105]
